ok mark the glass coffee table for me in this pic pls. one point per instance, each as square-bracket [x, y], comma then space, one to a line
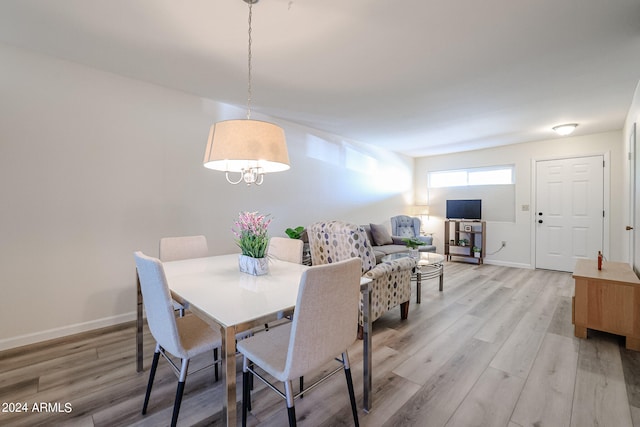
[430, 265]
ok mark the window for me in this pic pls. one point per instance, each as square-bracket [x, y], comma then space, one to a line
[494, 175]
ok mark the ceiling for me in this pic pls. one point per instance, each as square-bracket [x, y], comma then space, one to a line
[417, 77]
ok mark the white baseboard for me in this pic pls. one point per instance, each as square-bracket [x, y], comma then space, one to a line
[508, 264]
[19, 341]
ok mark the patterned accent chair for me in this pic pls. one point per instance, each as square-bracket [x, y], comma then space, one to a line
[407, 226]
[335, 241]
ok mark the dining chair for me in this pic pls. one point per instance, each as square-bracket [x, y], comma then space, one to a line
[183, 337]
[323, 327]
[179, 248]
[286, 249]
[290, 250]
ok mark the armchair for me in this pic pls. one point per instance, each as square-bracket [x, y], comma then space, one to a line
[406, 226]
[335, 241]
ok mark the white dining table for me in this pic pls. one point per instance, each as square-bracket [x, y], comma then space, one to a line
[220, 294]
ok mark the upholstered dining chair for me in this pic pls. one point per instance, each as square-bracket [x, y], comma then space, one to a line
[323, 327]
[407, 226]
[290, 250]
[285, 249]
[179, 248]
[334, 241]
[183, 247]
[183, 337]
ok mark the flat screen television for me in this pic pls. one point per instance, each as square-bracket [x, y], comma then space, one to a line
[464, 209]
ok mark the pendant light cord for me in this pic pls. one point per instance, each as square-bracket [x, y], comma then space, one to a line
[249, 68]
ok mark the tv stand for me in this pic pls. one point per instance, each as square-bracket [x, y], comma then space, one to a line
[465, 240]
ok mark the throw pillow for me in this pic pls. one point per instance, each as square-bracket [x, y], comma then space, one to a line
[380, 235]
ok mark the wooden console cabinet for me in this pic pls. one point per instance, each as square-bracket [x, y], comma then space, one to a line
[607, 300]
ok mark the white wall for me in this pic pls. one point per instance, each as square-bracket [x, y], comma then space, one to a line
[519, 233]
[94, 166]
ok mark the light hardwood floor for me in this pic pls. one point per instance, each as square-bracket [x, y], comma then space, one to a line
[496, 348]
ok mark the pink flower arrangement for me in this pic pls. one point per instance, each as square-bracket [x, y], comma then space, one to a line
[251, 233]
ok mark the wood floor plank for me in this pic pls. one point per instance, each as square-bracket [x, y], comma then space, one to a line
[563, 282]
[492, 303]
[521, 348]
[635, 415]
[201, 400]
[631, 369]
[490, 401]
[19, 390]
[416, 336]
[561, 321]
[528, 289]
[426, 362]
[456, 286]
[11, 374]
[546, 301]
[498, 328]
[397, 391]
[439, 398]
[483, 287]
[600, 396]
[86, 421]
[33, 354]
[507, 275]
[547, 396]
[114, 366]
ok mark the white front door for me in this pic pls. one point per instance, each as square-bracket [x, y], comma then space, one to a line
[569, 211]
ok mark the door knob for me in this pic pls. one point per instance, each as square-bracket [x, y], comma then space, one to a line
[539, 221]
[539, 213]
[628, 227]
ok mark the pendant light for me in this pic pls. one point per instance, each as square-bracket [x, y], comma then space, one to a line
[248, 147]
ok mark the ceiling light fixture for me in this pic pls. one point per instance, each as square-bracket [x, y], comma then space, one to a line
[565, 130]
[249, 147]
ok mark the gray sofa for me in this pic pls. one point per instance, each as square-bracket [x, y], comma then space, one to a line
[383, 243]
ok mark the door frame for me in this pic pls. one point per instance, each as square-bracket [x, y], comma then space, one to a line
[606, 202]
[634, 219]
[633, 197]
